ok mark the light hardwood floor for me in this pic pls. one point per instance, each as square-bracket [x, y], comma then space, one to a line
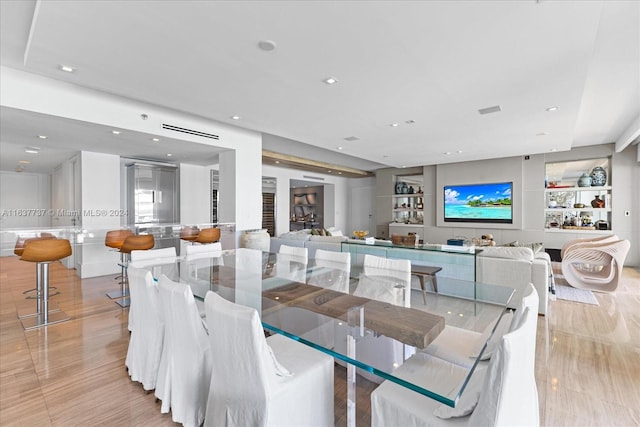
[587, 366]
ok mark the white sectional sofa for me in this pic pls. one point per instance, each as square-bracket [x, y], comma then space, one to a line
[516, 267]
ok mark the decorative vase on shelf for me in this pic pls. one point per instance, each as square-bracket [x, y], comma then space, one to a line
[585, 180]
[398, 187]
[405, 188]
[597, 202]
[598, 176]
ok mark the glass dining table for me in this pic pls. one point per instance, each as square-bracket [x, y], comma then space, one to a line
[331, 308]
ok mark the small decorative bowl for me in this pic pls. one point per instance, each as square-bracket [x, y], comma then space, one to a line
[578, 205]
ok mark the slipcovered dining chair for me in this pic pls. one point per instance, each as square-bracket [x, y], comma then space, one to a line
[291, 263]
[504, 394]
[184, 373]
[596, 266]
[204, 251]
[258, 381]
[145, 343]
[302, 253]
[462, 346]
[385, 279]
[142, 259]
[335, 272]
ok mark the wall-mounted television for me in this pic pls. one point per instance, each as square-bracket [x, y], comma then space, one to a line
[483, 203]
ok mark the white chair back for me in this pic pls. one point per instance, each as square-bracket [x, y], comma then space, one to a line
[237, 396]
[145, 343]
[185, 367]
[153, 254]
[529, 299]
[335, 272]
[291, 267]
[209, 250]
[385, 279]
[302, 253]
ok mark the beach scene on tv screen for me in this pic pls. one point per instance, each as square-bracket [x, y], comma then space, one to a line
[479, 201]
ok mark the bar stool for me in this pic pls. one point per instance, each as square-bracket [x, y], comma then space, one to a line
[189, 233]
[18, 250]
[208, 235]
[140, 242]
[43, 252]
[115, 239]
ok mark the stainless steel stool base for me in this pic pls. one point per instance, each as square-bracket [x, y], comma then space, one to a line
[37, 321]
[124, 302]
[118, 294]
[28, 312]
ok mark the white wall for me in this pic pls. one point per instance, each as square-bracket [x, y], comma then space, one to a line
[100, 206]
[195, 194]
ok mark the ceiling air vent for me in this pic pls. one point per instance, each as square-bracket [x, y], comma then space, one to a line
[189, 131]
[313, 177]
[490, 110]
[351, 138]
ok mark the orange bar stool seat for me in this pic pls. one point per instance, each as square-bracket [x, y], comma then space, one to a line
[138, 242]
[208, 235]
[114, 239]
[43, 252]
[18, 250]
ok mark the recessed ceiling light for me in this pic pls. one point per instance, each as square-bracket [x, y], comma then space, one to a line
[42, 136]
[410, 122]
[552, 108]
[24, 162]
[329, 170]
[115, 132]
[403, 166]
[394, 125]
[447, 153]
[30, 151]
[554, 149]
[459, 151]
[66, 68]
[169, 154]
[306, 186]
[277, 161]
[267, 45]
[235, 117]
[488, 110]
[155, 139]
[339, 173]
[330, 80]
[339, 148]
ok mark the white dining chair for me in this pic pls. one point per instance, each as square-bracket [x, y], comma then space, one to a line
[291, 263]
[504, 394]
[145, 342]
[185, 366]
[258, 381]
[334, 272]
[142, 259]
[302, 253]
[385, 279]
[203, 251]
[462, 346]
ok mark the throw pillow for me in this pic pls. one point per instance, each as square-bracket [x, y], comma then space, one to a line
[468, 400]
[535, 247]
[315, 232]
[327, 233]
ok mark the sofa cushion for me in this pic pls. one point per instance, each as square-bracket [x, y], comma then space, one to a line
[296, 235]
[328, 239]
[535, 247]
[509, 252]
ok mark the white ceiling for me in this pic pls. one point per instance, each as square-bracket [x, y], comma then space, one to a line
[433, 62]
